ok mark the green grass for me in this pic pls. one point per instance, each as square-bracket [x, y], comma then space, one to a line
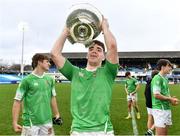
[118, 110]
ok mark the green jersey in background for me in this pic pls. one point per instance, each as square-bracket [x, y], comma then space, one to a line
[160, 84]
[36, 93]
[131, 84]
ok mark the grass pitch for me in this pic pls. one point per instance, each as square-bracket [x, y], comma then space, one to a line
[118, 110]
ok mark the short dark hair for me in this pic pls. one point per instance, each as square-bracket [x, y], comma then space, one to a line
[99, 43]
[38, 57]
[163, 62]
[127, 74]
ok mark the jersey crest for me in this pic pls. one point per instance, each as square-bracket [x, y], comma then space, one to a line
[81, 74]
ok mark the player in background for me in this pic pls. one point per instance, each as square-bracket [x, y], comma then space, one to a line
[37, 94]
[161, 98]
[131, 87]
[147, 93]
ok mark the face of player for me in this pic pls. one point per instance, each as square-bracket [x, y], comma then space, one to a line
[167, 69]
[44, 65]
[129, 76]
[95, 55]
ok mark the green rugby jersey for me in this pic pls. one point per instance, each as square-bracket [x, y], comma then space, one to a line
[36, 93]
[91, 94]
[159, 84]
[131, 84]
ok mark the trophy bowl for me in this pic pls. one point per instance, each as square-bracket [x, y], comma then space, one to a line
[84, 22]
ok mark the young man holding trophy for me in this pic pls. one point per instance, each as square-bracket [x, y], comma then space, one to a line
[91, 87]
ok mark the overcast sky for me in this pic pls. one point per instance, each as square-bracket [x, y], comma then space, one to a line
[138, 25]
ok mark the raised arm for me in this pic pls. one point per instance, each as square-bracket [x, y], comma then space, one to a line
[56, 52]
[110, 41]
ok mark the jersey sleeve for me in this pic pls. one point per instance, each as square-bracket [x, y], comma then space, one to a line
[21, 90]
[156, 85]
[111, 69]
[67, 70]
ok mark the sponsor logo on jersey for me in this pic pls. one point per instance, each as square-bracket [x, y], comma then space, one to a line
[35, 84]
[81, 74]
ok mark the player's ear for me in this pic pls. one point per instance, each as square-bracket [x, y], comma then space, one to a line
[39, 62]
[87, 56]
[103, 57]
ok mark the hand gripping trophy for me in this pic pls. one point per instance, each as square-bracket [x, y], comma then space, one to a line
[84, 23]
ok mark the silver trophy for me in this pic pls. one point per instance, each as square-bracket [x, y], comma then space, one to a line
[84, 23]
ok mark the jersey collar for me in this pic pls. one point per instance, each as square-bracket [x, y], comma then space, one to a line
[38, 75]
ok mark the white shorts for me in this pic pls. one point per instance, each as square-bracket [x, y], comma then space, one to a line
[162, 118]
[39, 130]
[149, 111]
[131, 97]
[100, 133]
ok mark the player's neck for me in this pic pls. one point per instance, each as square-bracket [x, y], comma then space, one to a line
[38, 71]
[162, 73]
[92, 67]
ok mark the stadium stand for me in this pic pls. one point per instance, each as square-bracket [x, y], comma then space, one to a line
[140, 64]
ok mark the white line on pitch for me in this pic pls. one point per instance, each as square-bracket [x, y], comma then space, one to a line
[134, 124]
